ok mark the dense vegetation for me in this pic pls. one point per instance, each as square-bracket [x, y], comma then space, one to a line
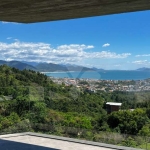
[30, 101]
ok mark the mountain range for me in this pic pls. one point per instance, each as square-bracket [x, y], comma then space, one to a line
[44, 67]
[51, 67]
[143, 69]
[17, 64]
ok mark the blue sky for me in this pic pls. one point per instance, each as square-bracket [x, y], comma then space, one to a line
[120, 41]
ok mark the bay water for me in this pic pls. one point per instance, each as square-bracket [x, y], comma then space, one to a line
[102, 75]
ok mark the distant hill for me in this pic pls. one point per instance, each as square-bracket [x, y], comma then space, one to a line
[17, 64]
[50, 67]
[143, 69]
[78, 68]
[46, 67]
[96, 69]
[30, 63]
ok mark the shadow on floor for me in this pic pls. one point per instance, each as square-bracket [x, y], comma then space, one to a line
[11, 145]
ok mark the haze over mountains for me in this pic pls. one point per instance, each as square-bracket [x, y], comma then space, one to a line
[17, 64]
[50, 67]
[143, 69]
[44, 67]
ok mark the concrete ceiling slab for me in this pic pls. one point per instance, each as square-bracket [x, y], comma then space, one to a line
[30, 11]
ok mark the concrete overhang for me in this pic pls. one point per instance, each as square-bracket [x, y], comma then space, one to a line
[30, 11]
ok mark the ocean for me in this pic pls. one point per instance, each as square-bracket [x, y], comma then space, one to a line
[103, 75]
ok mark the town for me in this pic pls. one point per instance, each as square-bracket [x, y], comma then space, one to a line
[94, 85]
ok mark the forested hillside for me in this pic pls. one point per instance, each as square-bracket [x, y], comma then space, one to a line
[30, 101]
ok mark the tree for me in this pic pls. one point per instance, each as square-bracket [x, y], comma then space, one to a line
[129, 142]
[145, 131]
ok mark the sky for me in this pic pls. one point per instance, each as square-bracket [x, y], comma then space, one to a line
[119, 41]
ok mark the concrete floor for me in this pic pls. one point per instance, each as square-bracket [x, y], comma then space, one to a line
[28, 142]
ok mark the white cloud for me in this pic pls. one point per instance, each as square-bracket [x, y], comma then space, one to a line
[144, 55]
[44, 52]
[8, 38]
[141, 62]
[117, 65]
[107, 55]
[5, 22]
[90, 46]
[106, 45]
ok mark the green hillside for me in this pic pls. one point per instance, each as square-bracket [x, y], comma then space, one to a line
[30, 101]
[33, 96]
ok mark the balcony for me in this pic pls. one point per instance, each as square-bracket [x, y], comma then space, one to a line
[29, 141]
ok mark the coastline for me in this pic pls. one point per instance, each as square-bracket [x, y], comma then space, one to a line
[101, 75]
[59, 72]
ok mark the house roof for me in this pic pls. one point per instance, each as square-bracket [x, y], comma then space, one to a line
[113, 103]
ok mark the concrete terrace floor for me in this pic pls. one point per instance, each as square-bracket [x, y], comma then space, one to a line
[34, 141]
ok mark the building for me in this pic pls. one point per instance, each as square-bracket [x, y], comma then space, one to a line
[112, 106]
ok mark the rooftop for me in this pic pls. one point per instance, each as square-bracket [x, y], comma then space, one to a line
[113, 103]
[28, 141]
